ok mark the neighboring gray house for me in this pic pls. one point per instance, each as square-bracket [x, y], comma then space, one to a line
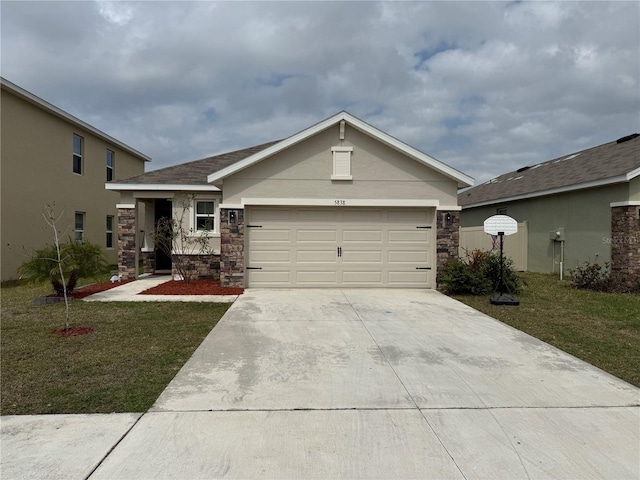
[579, 207]
[340, 203]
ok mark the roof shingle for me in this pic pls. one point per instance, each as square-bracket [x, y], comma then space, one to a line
[195, 172]
[605, 162]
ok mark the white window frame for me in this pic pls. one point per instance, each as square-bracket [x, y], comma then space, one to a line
[194, 217]
[77, 154]
[341, 163]
[109, 231]
[79, 231]
[111, 168]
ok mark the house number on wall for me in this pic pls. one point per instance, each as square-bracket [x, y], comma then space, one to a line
[340, 203]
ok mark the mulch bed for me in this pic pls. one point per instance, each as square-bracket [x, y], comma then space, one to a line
[95, 288]
[72, 331]
[194, 287]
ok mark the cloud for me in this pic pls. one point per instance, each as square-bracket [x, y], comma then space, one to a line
[483, 87]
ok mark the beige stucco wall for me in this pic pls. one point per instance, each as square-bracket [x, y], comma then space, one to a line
[304, 171]
[36, 169]
[634, 189]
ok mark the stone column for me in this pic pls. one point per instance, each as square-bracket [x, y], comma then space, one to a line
[231, 248]
[447, 238]
[625, 244]
[127, 249]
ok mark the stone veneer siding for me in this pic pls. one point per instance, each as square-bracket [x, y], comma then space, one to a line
[127, 242]
[148, 262]
[625, 243]
[447, 238]
[199, 266]
[231, 249]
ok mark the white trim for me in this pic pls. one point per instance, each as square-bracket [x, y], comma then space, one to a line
[331, 202]
[341, 177]
[147, 250]
[342, 149]
[462, 179]
[157, 186]
[633, 174]
[453, 208]
[125, 205]
[630, 203]
[31, 98]
[554, 191]
[231, 206]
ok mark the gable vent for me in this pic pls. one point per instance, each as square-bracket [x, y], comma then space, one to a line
[628, 137]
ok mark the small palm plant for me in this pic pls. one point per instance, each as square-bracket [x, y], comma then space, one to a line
[63, 263]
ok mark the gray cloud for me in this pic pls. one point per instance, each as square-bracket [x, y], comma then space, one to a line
[484, 87]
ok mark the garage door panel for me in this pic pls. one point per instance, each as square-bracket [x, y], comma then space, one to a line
[362, 216]
[408, 256]
[271, 215]
[405, 236]
[315, 235]
[316, 216]
[270, 256]
[316, 256]
[270, 235]
[362, 236]
[374, 257]
[419, 217]
[270, 278]
[350, 277]
[408, 277]
[306, 277]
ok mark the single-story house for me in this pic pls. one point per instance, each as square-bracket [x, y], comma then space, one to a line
[577, 208]
[340, 203]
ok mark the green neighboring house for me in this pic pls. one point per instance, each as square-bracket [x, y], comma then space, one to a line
[580, 207]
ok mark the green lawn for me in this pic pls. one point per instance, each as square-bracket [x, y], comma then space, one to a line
[123, 366]
[137, 348]
[600, 328]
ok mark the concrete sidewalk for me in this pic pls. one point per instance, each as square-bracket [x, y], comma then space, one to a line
[353, 384]
[130, 292]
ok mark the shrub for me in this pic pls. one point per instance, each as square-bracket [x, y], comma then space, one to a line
[78, 260]
[479, 274]
[461, 278]
[592, 276]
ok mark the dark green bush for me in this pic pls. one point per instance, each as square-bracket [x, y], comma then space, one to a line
[77, 260]
[479, 274]
[592, 276]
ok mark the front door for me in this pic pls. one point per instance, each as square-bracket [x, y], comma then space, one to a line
[163, 210]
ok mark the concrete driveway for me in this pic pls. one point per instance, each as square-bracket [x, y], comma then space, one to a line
[379, 384]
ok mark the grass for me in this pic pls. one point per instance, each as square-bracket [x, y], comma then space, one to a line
[123, 366]
[600, 328]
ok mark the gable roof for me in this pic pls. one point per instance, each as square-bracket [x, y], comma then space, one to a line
[462, 179]
[605, 164]
[186, 176]
[58, 112]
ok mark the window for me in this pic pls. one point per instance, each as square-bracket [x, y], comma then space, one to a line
[205, 215]
[109, 231]
[79, 227]
[110, 164]
[341, 163]
[77, 154]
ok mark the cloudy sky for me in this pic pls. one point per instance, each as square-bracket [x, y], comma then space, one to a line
[483, 87]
